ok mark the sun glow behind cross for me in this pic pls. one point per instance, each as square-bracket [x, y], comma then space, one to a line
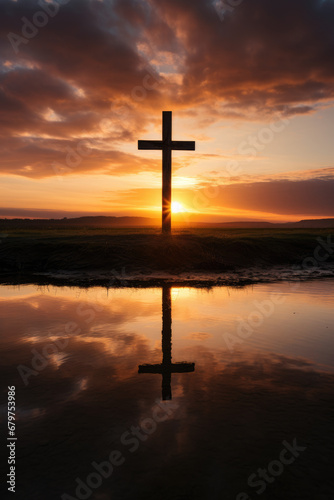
[177, 207]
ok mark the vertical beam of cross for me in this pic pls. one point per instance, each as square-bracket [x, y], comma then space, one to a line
[167, 145]
[166, 343]
[166, 368]
[167, 172]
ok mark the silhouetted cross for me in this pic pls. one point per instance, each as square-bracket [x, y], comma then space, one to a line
[167, 145]
[166, 368]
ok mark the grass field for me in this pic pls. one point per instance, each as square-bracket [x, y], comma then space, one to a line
[146, 250]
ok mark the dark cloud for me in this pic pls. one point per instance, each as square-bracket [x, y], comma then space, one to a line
[262, 54]
[97, 61]
[282, 197]
[74, 79]
[312, 197]
[38, 158]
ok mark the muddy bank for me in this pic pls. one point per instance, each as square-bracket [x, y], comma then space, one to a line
[241, 277]
[112, 258]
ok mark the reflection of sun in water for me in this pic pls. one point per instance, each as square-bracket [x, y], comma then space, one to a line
[177, 207]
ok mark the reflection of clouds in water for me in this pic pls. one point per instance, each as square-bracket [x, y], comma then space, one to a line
[302, 325]
[28, 414]
[58, 359]
[79, 386]
[233, 414]
[115, 343]
[46, 317]
[198, 336]
[234, 410]
[71, 394]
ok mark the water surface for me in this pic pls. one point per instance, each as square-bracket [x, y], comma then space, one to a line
[191, 413]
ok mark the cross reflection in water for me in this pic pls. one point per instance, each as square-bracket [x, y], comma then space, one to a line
[166, 368]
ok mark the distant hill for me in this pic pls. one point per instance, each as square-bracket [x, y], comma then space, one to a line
[108, 222]
[312, 223]
[79, 222]
[303, 224]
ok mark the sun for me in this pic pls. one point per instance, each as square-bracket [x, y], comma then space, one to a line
[177, 207]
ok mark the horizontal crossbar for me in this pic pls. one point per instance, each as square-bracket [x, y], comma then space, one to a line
[167, 368]
[150, 144]
[176, 145]
[183, 145]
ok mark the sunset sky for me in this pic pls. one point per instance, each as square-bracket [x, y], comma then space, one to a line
[251, 81]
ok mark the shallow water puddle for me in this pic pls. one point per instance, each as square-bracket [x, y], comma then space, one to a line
[236, 372]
